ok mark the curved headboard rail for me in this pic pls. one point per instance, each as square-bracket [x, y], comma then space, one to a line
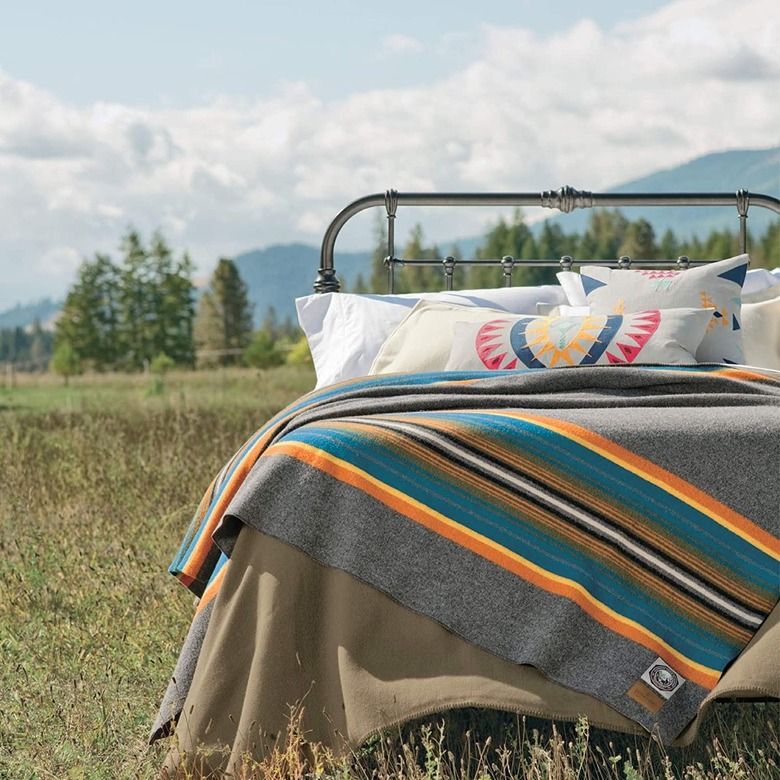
[565, 199]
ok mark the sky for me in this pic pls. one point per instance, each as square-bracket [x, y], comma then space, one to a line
[236, 125]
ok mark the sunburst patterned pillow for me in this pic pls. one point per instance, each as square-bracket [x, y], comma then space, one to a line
[653, 336]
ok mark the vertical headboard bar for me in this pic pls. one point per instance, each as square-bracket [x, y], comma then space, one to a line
[449, 268]
[743, 204]
[391, 206]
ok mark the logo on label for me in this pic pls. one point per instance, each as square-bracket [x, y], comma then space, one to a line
[662, 678]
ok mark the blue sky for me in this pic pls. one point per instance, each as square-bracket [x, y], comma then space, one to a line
[231, 126]
[177, 53]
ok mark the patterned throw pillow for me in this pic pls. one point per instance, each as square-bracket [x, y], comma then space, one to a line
[654, 336]
[716, 286]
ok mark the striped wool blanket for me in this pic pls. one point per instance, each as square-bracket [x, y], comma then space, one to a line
[615, 527]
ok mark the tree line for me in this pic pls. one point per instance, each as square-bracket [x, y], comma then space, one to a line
[141, 311]
[609, 234]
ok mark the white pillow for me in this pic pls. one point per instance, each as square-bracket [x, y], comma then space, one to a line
[715, 286]
[761, 328]
[423, 339]
[657, 336]
[572, 286]
[345, 331]
[759, 279]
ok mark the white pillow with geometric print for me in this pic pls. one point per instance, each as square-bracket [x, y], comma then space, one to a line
[667, 336]
[716, 286]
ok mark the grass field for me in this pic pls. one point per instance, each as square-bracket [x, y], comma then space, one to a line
[97, 483]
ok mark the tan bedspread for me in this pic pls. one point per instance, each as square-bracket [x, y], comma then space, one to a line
[286, 629]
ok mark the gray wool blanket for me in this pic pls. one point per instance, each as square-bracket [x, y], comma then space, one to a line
[614, 527]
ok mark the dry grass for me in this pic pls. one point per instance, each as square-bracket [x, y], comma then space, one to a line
[98, 481]
[480, 745]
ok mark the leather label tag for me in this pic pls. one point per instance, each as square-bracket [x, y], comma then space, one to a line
[644, 695]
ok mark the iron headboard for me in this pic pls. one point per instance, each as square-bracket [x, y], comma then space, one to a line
[565, 199]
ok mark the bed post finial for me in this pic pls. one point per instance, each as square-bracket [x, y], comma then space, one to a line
[566, 199]
[507, 263]
[448, 264]
[326, 281]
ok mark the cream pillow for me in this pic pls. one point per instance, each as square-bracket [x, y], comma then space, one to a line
[761, 328]
[656, 336]
[423, 340]
[716, 286]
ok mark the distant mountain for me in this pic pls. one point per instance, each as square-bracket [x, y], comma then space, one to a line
[757, 170]
[280, 273]
[24, 315]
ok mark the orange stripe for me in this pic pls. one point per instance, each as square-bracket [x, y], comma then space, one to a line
[212, 589]
[436, 522]
[746, 375]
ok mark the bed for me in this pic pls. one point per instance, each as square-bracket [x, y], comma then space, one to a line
[557, 500]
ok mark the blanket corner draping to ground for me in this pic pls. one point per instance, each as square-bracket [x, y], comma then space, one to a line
[612, 529]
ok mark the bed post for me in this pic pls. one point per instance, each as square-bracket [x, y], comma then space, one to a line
[391, 206]
[743, 204]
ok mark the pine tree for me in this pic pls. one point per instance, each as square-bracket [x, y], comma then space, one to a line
[65, 361]
[137, 303]
[512, 239]
[605, 233]
[639, 241]
[125, 315]
[669, 249]
[377, 282]
[90, 317]
[174, 304]
[223, 322]
[419, 278]
[768, 248]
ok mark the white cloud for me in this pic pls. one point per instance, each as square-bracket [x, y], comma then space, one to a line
[588, 107]
[400, 44]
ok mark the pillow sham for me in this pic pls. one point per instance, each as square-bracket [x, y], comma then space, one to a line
[653, 336]
[423, 339]
[715, 286]
[345, 331]
[757, 279]
[761, 328]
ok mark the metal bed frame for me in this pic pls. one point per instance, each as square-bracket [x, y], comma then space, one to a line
[565, 199]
